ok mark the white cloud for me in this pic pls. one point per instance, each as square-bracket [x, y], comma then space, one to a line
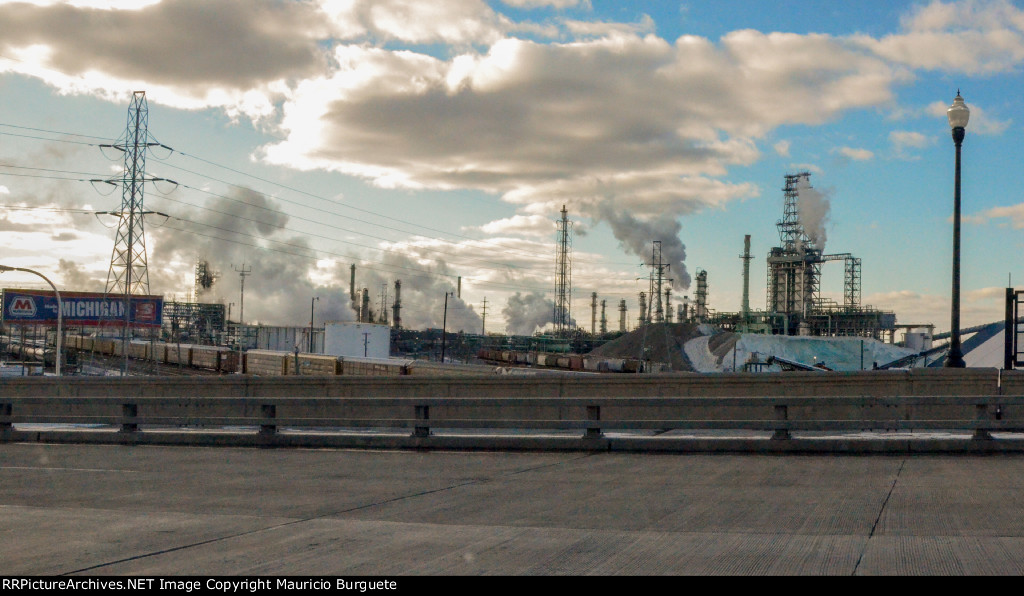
[969, 36]
[977, 307]
[806, 167]
[855, 153]
[1013, 213]
[520, 225]
[903, 139]
[4, 190]
[100, 4]
[413, 21]
[525, 115]
[552, 3]
[782, 148]
[605, 29]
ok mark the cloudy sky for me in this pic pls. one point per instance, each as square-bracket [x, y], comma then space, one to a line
[432, 141]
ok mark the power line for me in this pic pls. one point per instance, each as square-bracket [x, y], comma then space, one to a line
[293, 189]
[56, 132]
[210, 162]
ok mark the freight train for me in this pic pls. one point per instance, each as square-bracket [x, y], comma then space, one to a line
[575, 362]
[224, 360]
[227, 361]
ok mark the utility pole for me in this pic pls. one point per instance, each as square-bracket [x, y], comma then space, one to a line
[242, 273]
[311, 303]
[483, 318]
[444, 324]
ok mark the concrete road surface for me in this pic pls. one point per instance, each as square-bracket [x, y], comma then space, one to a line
[146, 510]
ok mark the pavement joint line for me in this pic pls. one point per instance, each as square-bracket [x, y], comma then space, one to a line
[878, 518]
[51, 469]
[315, 517]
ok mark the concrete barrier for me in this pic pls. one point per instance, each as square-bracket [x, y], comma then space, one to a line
[965, 382]
[423, 412]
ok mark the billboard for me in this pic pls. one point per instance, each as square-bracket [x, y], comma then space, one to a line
[80, 309]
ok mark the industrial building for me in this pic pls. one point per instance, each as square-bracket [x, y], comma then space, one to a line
[794, 304]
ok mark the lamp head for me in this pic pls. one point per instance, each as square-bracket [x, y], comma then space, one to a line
[958, 113]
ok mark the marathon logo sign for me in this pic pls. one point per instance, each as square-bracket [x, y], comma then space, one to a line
[36, 307]
[24, 306]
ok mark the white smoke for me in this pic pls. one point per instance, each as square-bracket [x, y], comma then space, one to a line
[237, 235]
[524, 315]
[423, 293]
[637, 237]
[814, 208]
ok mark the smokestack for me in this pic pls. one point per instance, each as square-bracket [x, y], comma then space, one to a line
[668, 305]
[604, 320]
[364, 309]
[702, 296]
[396, 321]
[643, 308]
[458, 293]
[622, 315]
[593, 313]
[352, 285]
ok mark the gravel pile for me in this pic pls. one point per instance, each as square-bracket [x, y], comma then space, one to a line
[657, 342]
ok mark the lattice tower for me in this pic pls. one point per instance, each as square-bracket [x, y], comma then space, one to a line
[129, 271]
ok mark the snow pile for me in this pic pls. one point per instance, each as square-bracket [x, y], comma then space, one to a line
[838, 353]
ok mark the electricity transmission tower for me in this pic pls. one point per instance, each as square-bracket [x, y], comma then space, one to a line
[659, 269]
[129, 272]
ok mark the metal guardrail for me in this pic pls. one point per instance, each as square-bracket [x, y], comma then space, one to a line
[788, 423]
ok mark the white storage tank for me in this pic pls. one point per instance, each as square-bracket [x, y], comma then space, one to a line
[360, 340]
[919, 341]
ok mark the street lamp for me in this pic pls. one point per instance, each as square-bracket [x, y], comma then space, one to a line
[60, 310]
[444, 324]
[958, 114]
[311, 303]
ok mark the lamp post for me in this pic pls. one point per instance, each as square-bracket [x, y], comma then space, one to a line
[958, 114]
[60, 310]
[311, 303]
[444, 324]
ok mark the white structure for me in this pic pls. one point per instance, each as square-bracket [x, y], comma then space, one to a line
[361, 340]
[282, 339]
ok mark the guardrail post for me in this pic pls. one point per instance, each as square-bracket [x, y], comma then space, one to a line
[593, 414]
[422, 415]
[269, 413]
[982, 434]
[5, 412]
[781, 415]
[129, 411]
